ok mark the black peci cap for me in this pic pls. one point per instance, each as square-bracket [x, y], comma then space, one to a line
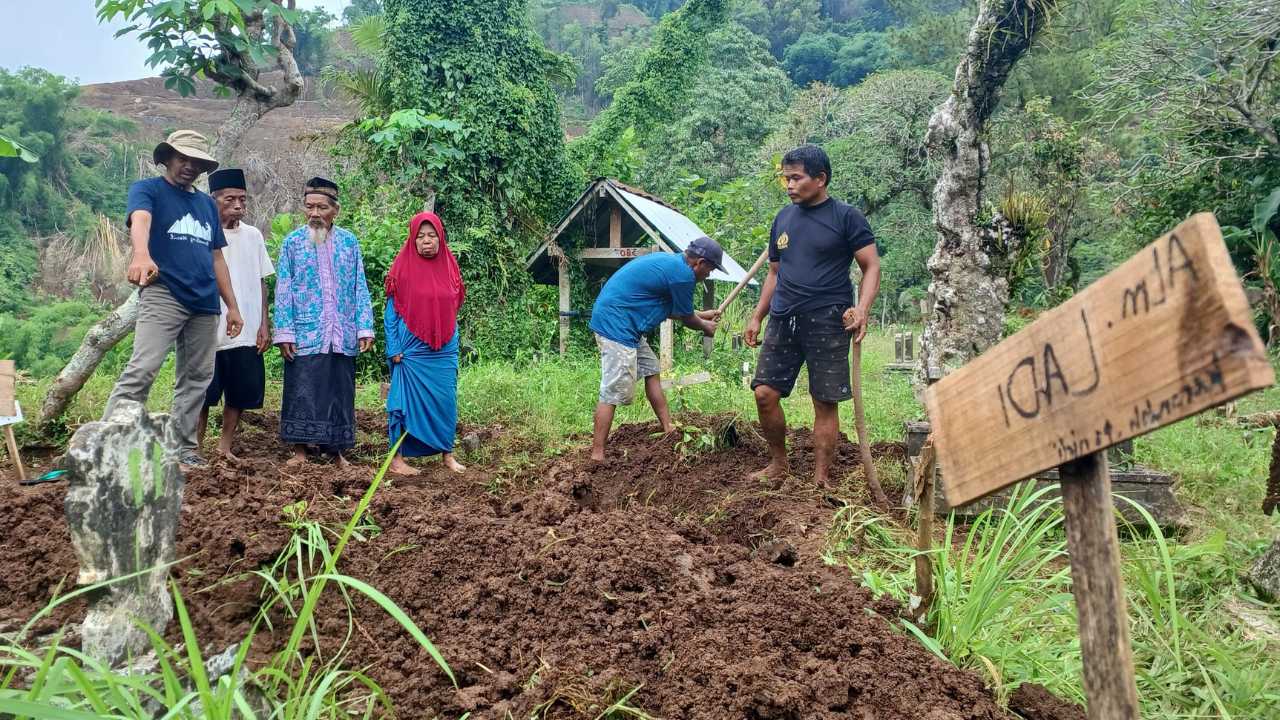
[323, 186]
[226, 178]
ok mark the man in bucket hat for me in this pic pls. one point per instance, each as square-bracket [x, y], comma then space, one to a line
[178, 266]
[635, 301]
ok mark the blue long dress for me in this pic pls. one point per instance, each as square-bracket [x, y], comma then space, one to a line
[424, 390]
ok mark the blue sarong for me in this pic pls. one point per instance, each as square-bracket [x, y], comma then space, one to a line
[424, 390]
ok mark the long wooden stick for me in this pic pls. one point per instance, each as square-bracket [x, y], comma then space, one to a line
[923, 489]
[14, 453]
[755, 268]
[1094, 550]
[860, 423]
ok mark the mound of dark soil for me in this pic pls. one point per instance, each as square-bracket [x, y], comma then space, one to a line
[663, 570]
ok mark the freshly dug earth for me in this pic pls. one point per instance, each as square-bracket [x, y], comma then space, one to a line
[664, 570]
[1035, 702]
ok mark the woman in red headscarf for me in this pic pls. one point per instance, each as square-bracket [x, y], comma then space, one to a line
[424, 293]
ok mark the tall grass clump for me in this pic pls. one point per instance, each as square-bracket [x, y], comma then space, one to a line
[1192, 658]
[1003, 603]
[54, 681]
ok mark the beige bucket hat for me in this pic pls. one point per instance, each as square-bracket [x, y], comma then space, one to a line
[189, 143]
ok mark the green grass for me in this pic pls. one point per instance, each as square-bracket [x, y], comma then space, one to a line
[551, 403]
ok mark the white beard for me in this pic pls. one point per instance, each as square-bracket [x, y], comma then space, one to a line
[319, 235]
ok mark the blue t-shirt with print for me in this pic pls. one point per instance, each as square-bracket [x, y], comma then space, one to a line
[641, 294]
[184, 233]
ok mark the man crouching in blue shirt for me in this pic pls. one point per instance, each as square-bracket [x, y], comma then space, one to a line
[635, 301]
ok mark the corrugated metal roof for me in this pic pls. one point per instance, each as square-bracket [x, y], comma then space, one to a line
[679, 231]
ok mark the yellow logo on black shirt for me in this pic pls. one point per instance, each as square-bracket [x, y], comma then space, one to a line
[783, 241]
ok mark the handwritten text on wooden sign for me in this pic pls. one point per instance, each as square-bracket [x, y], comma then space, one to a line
[1165, 335]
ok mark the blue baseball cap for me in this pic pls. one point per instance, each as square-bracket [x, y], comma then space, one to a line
[707, 249]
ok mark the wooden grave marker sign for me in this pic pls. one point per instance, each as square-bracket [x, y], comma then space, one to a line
[1165, 335]
[11, 414]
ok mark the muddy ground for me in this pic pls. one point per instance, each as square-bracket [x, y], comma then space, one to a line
[554, 588]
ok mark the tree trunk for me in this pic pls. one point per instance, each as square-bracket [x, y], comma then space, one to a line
[97, 343]
[971, 260]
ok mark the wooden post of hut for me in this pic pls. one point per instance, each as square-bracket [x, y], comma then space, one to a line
[708, 304]
[562, 271]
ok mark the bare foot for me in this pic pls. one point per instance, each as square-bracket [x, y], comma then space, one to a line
[342, 462]
[773, 471]
[226, 453]
[400, 467]
[452, 463]
[597, 456]
[297, 458]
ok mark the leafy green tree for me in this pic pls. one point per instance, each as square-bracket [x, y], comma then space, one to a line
[933, 33]
[358, 10]
[476, 134]
[231, 42]
[735, 105]
[781, 22]
[1200, 73]
[659, 90]
[859, 56]
[314, 43]
[812, 58]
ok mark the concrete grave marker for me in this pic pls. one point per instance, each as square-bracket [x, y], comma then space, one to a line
[1165, 335]
[123, 504]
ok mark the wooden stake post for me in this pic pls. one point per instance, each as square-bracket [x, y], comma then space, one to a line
[9, 414]
[1162, 337]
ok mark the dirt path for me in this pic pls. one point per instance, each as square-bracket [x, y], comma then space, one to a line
[662, 571]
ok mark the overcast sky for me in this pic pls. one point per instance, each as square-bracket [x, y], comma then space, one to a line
[64, 36]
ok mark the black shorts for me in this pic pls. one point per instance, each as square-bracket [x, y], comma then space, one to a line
[238, 373]
[817, 339]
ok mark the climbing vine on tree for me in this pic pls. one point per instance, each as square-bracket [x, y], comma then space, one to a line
[659, 90]
[476, 134]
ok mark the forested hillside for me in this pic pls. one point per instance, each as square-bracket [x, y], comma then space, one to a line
[1100, 140]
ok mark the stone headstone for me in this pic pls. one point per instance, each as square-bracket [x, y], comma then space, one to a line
[122, 504]
[1265, 574]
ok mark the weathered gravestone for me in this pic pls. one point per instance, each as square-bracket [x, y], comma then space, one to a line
[122, 505]
[1265, 574]
[904, 352]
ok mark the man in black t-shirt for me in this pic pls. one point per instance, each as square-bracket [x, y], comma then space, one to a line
[808, 297]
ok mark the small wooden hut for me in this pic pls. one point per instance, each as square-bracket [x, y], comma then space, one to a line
[610, 224]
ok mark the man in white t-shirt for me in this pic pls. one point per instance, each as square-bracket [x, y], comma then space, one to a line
[238, 371]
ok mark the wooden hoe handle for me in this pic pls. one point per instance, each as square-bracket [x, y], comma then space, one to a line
[755, 268]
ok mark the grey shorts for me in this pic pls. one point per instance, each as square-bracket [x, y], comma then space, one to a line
[621, 366]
